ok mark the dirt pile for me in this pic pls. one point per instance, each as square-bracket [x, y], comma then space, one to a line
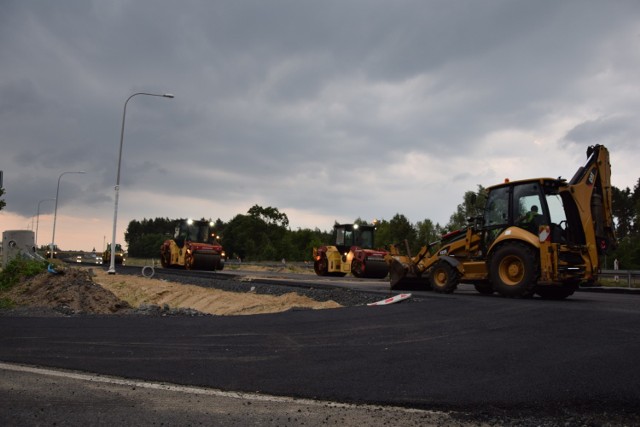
[93, 291]
[72, 291]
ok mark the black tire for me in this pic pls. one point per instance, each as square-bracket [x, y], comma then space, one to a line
[321, 266]
[484, 288]
[356, 268]
[513, 270]
[164, 259]
[555, 292]
[188, 261]
[444, 278]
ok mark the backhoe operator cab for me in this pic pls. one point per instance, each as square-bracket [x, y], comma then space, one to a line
[541, 235]
[529, 205]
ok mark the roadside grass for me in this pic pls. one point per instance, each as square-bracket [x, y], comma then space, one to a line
[19, 268]
[230, 265]
[16, 270]
[6, 303]
[622, 282]
[141, 262]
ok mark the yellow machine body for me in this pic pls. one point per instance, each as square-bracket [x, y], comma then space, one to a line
[549, 250]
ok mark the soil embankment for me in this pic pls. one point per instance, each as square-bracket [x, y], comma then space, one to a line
[93, 291]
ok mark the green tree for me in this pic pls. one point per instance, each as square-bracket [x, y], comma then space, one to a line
[2, 202]
[241, 236]
[472, 205]
[259, 235]
[269, 215]
[145, 237]
[428, 232]
[401, 229]
[302, 241]
[622, 207]
[635, 199]
[383, 237]
[626, 213]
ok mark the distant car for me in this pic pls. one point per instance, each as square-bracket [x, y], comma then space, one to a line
[89, 259]
[94, 259]
[55, 252]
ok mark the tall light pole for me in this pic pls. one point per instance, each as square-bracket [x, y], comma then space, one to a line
[38, 219]
[55, 211]
[112, 267]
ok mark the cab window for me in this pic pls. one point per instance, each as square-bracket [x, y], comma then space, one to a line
[497, 207]
[366, 239]
[528, 209]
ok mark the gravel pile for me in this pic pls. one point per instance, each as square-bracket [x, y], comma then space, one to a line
[165, 310]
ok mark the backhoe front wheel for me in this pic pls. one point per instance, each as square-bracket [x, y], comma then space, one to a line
[444, 277]
[513, 270]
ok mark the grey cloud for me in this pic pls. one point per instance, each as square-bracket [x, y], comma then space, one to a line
[294, 102]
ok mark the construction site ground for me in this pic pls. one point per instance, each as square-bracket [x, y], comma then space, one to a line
[480, 360]
[90, 290]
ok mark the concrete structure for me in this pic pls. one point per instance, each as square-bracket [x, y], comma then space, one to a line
[16, 242]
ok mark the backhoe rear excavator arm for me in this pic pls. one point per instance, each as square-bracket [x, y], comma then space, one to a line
[590, 187]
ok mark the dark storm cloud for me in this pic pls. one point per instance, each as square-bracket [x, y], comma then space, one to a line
[332, 109]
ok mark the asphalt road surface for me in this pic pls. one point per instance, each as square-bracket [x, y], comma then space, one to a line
[487, 356]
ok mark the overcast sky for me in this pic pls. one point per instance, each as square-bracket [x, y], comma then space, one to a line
[327, 110]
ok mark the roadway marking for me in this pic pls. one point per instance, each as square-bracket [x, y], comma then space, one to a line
[196, 390]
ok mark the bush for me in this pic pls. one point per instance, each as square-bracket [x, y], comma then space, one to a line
[19, 268]
[6, 303]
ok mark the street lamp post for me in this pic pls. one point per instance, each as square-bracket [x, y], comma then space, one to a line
[55, 211]
[38, 218]
[112, 267]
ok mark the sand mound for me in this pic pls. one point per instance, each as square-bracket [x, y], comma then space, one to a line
[80, 290]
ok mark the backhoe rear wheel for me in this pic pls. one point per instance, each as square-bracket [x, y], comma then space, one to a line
[513, 270]
[444, 277]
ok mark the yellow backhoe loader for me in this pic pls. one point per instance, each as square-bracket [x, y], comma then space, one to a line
[542, 236]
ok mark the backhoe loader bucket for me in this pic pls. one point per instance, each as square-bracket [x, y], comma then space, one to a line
[404, 275]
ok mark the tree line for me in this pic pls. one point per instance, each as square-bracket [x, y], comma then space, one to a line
[263, 233]
[626, 212]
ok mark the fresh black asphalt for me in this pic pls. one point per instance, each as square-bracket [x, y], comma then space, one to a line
[445, 352]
